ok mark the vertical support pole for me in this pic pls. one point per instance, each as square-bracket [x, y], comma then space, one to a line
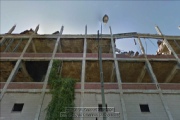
[147, 63]
[154, 80]
[83, 71]
[141, 47]
[101, 75]
[47, 76]
[118, 78]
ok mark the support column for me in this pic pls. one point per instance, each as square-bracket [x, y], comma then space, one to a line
[16, 67]
[154, 80]
[124, 113]
[83, 71]
[47, 76]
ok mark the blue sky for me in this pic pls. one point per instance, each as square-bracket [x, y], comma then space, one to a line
[124, 16]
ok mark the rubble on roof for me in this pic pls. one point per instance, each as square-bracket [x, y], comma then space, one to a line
[31, 31]
[57, 32]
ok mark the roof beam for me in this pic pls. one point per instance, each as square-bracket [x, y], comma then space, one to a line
[115, 36]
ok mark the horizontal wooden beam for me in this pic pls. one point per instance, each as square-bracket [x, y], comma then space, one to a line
[115, 36]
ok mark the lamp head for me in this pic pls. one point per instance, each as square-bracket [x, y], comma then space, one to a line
[105, 19]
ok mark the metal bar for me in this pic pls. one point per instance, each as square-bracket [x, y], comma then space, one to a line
[17, 45]
[159, 89]
[101, 76]
[148, 65]
[11, 41]
[47, 76]
[141, 46]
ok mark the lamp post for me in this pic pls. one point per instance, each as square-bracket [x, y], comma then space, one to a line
[105, 20]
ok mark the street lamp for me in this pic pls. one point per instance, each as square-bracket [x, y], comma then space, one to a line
[105, 20]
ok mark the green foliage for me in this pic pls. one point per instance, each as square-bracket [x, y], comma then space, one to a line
[62, 90]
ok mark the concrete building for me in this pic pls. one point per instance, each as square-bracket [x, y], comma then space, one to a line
[139, 87]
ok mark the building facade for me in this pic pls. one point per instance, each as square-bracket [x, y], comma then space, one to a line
[136, 86]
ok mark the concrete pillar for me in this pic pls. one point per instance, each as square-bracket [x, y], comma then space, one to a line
[47, 76]
[154, 80]
[124, 113]
[83, 71]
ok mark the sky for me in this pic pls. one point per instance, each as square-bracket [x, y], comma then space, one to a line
[124, 16]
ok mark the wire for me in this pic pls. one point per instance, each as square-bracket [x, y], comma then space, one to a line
[151, 42]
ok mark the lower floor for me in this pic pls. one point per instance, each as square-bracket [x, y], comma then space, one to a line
[133, 106]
